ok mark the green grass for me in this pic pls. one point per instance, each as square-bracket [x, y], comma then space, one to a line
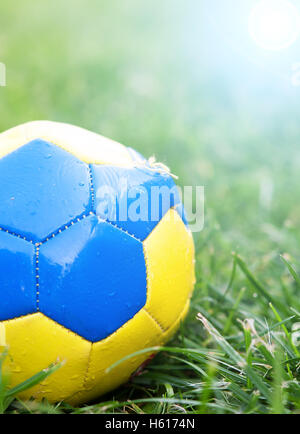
[141, 73]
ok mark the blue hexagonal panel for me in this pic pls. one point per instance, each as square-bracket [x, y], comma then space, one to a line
[133, 199]
[17, 277]
[92, 278]
[45, 188]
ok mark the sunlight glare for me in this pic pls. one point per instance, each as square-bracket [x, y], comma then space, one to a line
[274, 24]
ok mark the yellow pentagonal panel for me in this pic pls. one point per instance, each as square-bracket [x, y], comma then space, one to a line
[85, 145]
[35, 342]
[170, 332]
[169, 252]
[138, 333]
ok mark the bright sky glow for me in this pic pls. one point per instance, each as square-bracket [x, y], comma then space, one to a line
[274, 24]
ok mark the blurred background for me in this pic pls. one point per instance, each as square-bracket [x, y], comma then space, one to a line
[181, 79]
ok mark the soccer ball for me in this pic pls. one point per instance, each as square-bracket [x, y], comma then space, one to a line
[93, 266]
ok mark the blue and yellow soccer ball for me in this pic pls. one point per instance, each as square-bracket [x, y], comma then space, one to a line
[78, 283]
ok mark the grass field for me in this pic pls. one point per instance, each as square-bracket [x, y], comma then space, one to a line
[157, 76]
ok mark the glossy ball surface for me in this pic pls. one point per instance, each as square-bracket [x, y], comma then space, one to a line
[79, 284]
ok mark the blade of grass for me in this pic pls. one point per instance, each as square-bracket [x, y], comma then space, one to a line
[233, 311]
[289, 337]
[233, 272]
[252, 279]
[277, 393]
[248, 341]
[33, 381]
[236, 357]
[292, 271]
[207, 392]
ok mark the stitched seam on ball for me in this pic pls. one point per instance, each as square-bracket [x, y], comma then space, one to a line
[14, 234]
[94, 210]
[92, 188]
[81, 217]
[155, 320]
[67, 226]
[52, 235]
[37, 275]
[84, 383]
[180, 318]
[121, 229]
